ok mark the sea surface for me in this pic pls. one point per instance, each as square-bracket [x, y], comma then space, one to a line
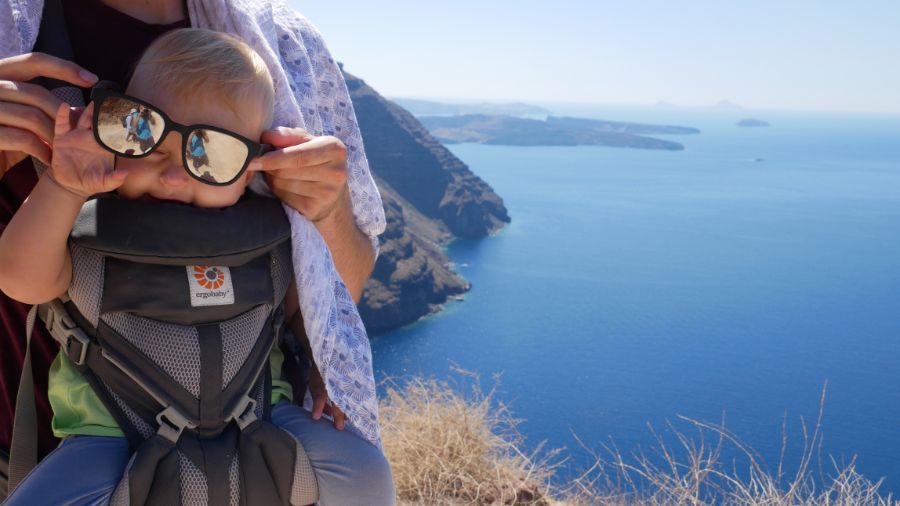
[732, 280]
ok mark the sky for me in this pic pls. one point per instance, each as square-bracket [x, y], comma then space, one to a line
[765, 54]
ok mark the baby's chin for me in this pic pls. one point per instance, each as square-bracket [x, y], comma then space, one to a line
[148, 197]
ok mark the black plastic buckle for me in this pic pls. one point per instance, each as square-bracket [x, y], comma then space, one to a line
[172, 423]
[245, 413]
[278, 326]
[70, 336]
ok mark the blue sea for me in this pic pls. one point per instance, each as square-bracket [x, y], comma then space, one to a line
[732, 280]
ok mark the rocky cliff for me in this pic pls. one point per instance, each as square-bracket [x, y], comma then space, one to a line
[421, 170]
[430, 197]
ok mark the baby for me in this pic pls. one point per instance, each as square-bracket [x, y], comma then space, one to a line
[171, 77]
[195, 105]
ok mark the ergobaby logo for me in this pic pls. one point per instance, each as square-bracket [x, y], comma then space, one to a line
[210, 285]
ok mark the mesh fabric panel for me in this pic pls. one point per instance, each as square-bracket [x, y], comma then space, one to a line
[121, 496]
[305, 489]
[239, 335]
[86, 290]
[234, 481]
[175, 348]
[142, 427]
[69, 94]
[194, 491]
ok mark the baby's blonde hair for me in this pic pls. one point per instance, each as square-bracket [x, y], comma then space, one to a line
[195, 63]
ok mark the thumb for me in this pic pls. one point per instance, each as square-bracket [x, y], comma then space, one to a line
[84, 117]
[282, 137]
[114, 179]
[63, 123]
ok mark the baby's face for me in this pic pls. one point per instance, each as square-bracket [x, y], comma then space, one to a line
[161, 174]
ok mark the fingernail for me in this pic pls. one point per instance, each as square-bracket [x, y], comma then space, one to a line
[254, 165]
[88, 76]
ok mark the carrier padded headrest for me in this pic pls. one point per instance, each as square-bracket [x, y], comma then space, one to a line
[167, 233]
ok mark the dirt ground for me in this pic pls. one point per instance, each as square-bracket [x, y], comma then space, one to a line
[113, 133]
[225, 156]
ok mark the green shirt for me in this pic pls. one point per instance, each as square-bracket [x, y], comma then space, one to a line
[78, 411]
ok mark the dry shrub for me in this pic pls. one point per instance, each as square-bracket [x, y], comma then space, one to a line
[445, 448]
[692, 472]
[449, 448]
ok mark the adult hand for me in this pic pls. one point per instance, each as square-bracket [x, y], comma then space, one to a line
[27, 111]
[321, 404]
[316, 386]
[308, 173]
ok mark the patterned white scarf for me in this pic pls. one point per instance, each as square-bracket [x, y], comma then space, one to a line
[311, 94]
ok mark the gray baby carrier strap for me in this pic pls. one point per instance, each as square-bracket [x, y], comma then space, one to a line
[171, 317]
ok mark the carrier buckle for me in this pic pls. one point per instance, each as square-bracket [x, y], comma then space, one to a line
[172, 423]
[64, 329]
[245, 413]
[278, 325]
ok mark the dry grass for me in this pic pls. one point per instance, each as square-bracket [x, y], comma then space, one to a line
[445, 448]
[456, 445]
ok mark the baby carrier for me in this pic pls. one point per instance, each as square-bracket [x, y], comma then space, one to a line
[171, 317]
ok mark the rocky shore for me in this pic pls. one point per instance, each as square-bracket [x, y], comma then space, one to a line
[430, 197]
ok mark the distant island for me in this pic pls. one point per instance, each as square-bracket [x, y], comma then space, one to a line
[751, 122]
[554, 131]
[429, 108]
[603, 125]
[726, 105]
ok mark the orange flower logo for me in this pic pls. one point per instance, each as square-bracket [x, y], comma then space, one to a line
[210, 278]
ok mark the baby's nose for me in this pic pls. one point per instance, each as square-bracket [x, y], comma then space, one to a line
[174, 176]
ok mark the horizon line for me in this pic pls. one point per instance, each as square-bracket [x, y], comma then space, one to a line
[659, 104]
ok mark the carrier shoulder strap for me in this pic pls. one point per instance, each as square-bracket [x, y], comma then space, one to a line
[24, 446]
[53, 39]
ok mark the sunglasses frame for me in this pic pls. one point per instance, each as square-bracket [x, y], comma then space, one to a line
[106, 90]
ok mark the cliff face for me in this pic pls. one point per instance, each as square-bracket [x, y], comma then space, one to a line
[421, 170]
[429, 197]
[412, 276]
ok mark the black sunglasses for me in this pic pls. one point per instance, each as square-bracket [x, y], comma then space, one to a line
[130, 127]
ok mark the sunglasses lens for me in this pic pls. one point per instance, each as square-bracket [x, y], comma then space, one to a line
[127, 127]
[214, 156]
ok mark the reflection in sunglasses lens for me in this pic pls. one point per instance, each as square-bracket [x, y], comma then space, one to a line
[214, 156]
[128, 127]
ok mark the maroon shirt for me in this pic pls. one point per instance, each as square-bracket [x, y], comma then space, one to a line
[108, 43]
